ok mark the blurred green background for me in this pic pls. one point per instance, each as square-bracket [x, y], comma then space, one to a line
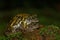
[48, 11]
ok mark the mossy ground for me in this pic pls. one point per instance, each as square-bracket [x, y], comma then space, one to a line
[44, 17]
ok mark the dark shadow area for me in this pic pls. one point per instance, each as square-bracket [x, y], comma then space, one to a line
[48, 11]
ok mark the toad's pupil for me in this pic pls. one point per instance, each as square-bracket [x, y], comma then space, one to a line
[22, 23]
